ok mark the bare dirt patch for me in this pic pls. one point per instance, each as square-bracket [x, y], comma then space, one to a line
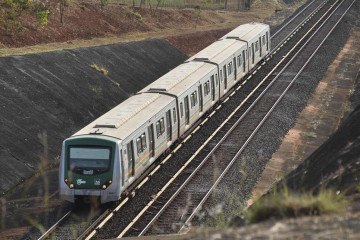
[89, 25]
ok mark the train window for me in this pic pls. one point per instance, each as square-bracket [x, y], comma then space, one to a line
[221, 76]
[143, 141]
[195, 97]
[206, 88]
[162, 125]
[160, 128]
[181, 110]
[174, 115]
[131, 159]
[239, 60]
[192, 101]
[257, 46]
[263, 40]
[229, 69]
[216, 79]
[244, 60]
[157, 128]
[138, 145]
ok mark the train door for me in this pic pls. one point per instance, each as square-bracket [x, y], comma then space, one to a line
[131, 159]
[244, 62]
[235, 68]
[212, 87]
[260, 46]
[253, 53]
[225, 77]
[151, 140]
[168, 125]
[200, 98]
[267, 41]
[187, 110]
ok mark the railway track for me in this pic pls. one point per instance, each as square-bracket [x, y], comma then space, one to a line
[99, 219]
[75, 221]
[189, 199]
[183, 205]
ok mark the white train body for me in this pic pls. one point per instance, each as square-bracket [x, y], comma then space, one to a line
[106, 156]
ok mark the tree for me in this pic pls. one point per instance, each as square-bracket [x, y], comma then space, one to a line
[62, 4]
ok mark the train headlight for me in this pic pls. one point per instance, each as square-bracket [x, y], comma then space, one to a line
[66, 180]
[104, 186]
[110, 181]
[71, 185]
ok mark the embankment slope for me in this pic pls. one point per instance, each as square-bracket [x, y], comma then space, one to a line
[46, 97]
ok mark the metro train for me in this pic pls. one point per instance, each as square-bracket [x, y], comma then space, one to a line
[104, 158]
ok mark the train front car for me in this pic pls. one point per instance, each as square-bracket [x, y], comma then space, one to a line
[90, 167]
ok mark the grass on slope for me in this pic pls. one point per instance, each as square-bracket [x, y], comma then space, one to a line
[285, 204]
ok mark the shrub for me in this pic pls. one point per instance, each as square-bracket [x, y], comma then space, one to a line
[10, 11]
[137, 15]
[42, 13]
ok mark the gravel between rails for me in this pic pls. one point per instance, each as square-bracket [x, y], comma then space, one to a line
[280, 35]
[234, 190]
[134, 205]
[172, 219]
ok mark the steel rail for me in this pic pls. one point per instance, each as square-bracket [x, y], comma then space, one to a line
[187, 222]
[50, 230]
[286, 24]
[201, 124]
[53, 227]
[302, 23]
[229, 132]
[226, 135]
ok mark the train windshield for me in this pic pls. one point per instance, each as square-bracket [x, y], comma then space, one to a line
[89, 160]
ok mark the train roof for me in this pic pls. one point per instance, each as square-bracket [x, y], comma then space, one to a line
[175, 76]
[139, 108]
[219, 50]
[142, 107]
[177, 80]
[247, 31]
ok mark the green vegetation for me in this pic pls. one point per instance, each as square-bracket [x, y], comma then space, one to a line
[42, 13]
[228, 213]
[358, 188]
[104, 2]
[100, 69]
[310, 134]
[218, 221]
[284, 204]
[137, 15]
[10, 13]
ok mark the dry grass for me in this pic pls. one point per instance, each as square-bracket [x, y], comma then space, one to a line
[284, 204]
[100, 69]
